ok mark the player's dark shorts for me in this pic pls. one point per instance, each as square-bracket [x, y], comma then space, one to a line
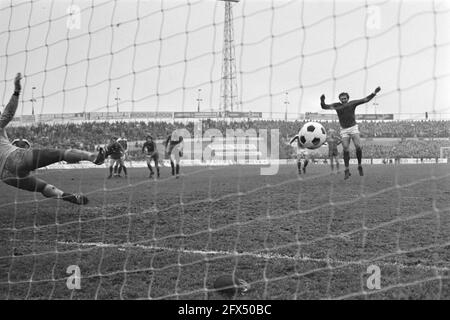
[333, 153]
[14, 164]
[150, 157]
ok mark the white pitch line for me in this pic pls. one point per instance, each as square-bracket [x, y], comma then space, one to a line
[268, 256]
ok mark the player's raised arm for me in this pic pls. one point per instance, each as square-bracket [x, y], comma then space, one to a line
[326, 106]
[166, 143]
[11, 107]
[366, 99]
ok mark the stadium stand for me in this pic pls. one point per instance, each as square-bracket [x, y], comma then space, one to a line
[386, 139]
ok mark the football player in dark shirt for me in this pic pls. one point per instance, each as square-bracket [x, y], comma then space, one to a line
[115, 152]
[349, 129]
[151, 153]
[174, 149]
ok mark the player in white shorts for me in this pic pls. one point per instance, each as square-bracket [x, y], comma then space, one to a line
[349, 129]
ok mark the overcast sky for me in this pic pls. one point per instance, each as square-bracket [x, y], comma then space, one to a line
[161, 52]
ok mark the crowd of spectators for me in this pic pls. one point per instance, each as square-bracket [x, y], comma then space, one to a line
[406, 149]
[400, 149]
[406, 129]
[368, 129]
[87, 135]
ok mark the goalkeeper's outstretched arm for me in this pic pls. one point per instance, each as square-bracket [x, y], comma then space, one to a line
[11, 107]
[166, 143]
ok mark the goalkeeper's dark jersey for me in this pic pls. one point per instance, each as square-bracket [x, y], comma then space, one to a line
[346, 112]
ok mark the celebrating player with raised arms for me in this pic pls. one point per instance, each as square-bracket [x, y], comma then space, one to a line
[303, 155]
[333, 140]
[174, 149]
[349, 129]
[151, 153]
[17, 163]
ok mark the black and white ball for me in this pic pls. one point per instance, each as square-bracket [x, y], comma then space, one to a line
[312, 135]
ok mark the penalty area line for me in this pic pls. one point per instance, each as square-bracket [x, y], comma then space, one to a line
[266, 256]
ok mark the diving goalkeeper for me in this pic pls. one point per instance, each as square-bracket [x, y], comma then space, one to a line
[17, 163]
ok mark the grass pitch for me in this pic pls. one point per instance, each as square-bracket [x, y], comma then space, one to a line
[291, 237]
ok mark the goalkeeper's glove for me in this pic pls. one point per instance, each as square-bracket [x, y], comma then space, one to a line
[378, 89]
[180, 153]
[322, 97]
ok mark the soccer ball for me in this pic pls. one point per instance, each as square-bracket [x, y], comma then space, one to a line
[312, 135]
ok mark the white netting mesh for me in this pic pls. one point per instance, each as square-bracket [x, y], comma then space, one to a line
[289, 237]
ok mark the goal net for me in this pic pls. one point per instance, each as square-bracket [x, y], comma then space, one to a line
[128, 68]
